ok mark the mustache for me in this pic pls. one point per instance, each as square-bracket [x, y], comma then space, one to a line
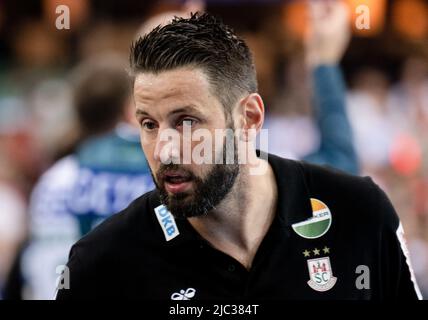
[173, 169]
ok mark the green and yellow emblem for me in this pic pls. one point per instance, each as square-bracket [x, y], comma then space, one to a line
[316, 226]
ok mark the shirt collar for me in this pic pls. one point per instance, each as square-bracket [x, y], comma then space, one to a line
[293, 202]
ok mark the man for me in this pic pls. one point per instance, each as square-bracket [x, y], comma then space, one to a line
[239, 226]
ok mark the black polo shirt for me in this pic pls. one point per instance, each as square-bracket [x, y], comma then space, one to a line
[342, 244]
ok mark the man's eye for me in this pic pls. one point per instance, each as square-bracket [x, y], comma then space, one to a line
[148, 125]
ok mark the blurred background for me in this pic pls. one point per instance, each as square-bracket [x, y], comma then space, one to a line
[385, 68]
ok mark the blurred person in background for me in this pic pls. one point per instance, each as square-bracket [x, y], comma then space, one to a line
[12, 196]
[329, 139]
[408, 99]
[12, 227]
[408, 107]
[371, 120]
[104, 171]
[390, 125]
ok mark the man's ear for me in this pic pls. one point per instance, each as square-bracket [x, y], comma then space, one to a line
[251, 112]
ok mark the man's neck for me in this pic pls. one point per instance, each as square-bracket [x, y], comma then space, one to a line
[240, 222]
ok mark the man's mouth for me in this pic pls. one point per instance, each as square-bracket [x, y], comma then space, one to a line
[177, 182]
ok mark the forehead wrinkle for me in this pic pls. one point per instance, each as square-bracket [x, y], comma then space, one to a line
[185, 77]
[173, 90]
[176, 89]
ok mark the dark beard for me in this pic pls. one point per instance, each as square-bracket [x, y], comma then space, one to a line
[208, 192]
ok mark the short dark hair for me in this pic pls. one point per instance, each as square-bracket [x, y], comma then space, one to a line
[200, 41]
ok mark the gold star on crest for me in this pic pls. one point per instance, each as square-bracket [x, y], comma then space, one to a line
[316, 252]
[306, 253]
[326, 250]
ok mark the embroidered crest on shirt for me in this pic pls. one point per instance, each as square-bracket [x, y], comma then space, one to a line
[321, 274]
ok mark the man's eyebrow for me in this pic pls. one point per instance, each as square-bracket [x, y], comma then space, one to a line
[141, 112]
[186, 109]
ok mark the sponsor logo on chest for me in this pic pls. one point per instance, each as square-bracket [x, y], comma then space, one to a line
[167, 222]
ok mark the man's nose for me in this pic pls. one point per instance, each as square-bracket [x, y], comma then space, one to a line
[167, 149]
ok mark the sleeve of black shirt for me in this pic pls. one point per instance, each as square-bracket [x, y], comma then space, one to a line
[80, 282]
[93, 266]
[398, 280]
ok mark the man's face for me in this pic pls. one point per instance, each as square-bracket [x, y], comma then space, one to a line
[180, 101]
